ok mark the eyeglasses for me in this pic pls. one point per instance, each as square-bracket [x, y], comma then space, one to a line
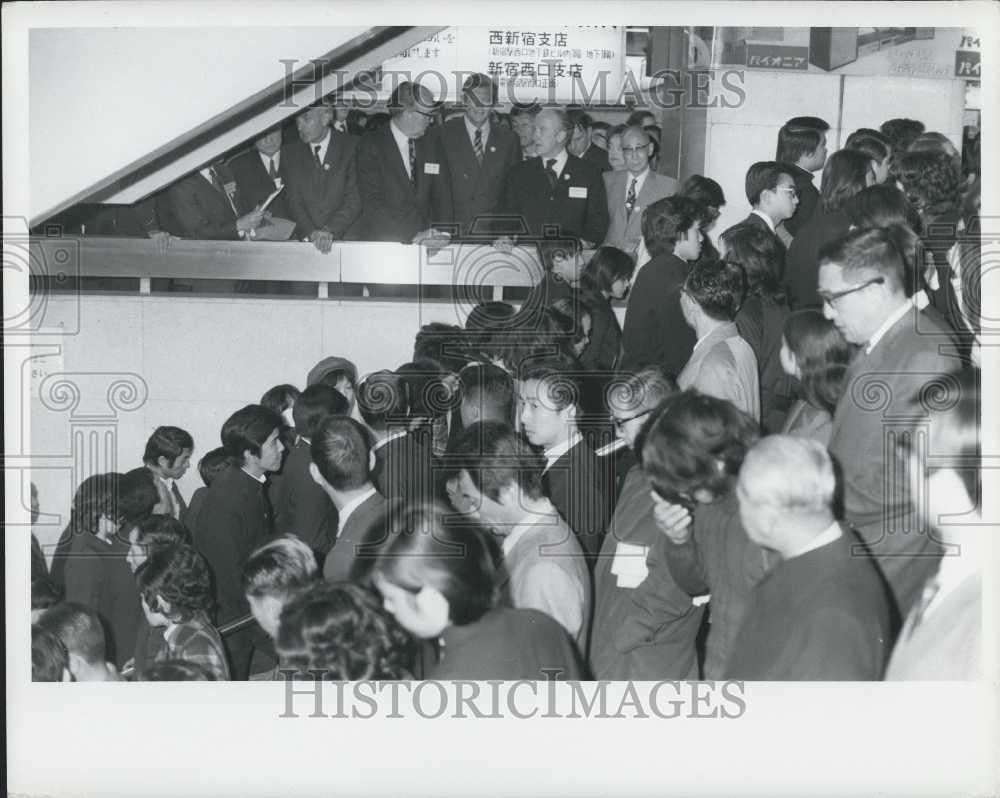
[634, 150]
[791, 191]
[829, 297]
[619, 423]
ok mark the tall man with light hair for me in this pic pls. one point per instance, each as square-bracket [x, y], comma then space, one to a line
[822, 613]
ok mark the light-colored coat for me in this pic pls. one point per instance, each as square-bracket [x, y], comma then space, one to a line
[625, 231]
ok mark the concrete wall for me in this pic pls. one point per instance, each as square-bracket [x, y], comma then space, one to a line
[736, 137]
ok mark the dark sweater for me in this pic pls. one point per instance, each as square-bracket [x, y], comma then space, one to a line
[808, 199]
[655, 331]
[802, 262]
[822, 616]
[507, 644]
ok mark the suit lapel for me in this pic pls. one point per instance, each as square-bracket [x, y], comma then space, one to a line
[394, 157]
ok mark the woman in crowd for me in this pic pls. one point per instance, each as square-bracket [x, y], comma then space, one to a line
[709, 195]
[339, 631]
[644, 625]
[876, 147]
[762, 315]
[606, 277]
[692, 453]
[846, 173]
[815, 354]
[439, 580]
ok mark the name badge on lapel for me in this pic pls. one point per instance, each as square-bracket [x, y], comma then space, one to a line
[432, 169]
[578, 192]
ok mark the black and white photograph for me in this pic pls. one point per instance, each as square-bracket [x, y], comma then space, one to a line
[562, 398]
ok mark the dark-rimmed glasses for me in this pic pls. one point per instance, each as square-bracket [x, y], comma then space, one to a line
[829, 297]
[619, 423]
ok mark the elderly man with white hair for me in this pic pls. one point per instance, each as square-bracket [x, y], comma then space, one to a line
[822, 613]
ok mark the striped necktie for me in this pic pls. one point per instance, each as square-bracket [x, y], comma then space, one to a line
[477, 146]
[630, 199]
[272, 170]
[550, 173]
[413, 161]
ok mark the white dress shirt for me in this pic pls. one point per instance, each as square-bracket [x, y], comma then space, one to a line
[323, 145]
[640, 181]
[765, 217]
[471, 130]
[351, 506]
[895, 316]
[403, 145]
[828, 535]
[560, 163]
[266, 160]
[557, 451]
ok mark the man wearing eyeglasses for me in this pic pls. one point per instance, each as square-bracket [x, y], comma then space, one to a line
[861, 284]
[402, 175]
[773, 195]
[633, 189]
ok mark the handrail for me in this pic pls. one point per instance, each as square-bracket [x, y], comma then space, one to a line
[368, 263]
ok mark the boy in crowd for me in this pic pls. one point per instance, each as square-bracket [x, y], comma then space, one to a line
[802, 147]
[168, 455]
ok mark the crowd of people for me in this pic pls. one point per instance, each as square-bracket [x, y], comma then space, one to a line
[726, 486]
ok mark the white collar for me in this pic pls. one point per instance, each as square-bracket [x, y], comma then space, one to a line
[471, 129]
[323, 145]
[722, 331]
[920, 299]
[828, 535]
[640, 179]
[390, 437]
[266, 159]
[261, 479]
[531, 520]
[345, 511]
[893, 317]
[765, 217]
[560, 163]
[557, 451]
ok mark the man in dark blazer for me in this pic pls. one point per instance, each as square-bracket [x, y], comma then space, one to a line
[258, 174]
[655, 333]
[861, 284]
[555, 192]
[403, 467]
[574, 477]
[301, 508]
[236, 518]
[773, 195]
[802, 149]
[822, 613]
[403, 174]
[321, 179]
[479, 156]
[581, 143]
[341, 468]
[205, 205]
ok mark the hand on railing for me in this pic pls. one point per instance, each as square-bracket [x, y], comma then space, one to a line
[432, 239]
[249, 221]
[162, 240]
[504, 244]
[322, 240]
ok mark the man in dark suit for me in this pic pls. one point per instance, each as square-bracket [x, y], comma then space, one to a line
[205, 205]
[861, 284]
[168, 455]
[574, 477]
[341, 466]
[258, 174]
[802, 148]
[555, 192]
[403, 467]
[581, 142]
[235, 519]
[655, 333]
[773, 195]
[403, 174]
[479, 156]
[321, 179]
[522, 118]
[821, 614]
[300, 507]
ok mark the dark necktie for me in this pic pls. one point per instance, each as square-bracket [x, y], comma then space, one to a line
[477, 146]
[550, 173]
[179, 505]
[217, 182]
[272, 171]
[413, 161]
[319, 163]
[630, 199]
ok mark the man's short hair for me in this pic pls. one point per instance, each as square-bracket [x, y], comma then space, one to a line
[442, 344]
[213, 463]
[279, 568]
[645, 388]
[800, 136]
[495, 457]
[563, 248]
[558, 378]
[872, 143]
[580, 118]
[490, 388]
[160, 532]
[762, 176]
[566, 121]
[49, 658]
[718, 286]
[280, 397]
[861, 252]
[383, 400]
[247, 429]
[80, 630]
[169, 442]
[636, 117]
[477, 81]
[703, 190]
[340, 449]
[137, 495]
[901, 132]
[407, 96]
[524, 109]
[314, 405]
[791, 473]
[666, 220]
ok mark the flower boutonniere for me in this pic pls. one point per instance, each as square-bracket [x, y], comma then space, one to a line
[230, 188]
[565, 177]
